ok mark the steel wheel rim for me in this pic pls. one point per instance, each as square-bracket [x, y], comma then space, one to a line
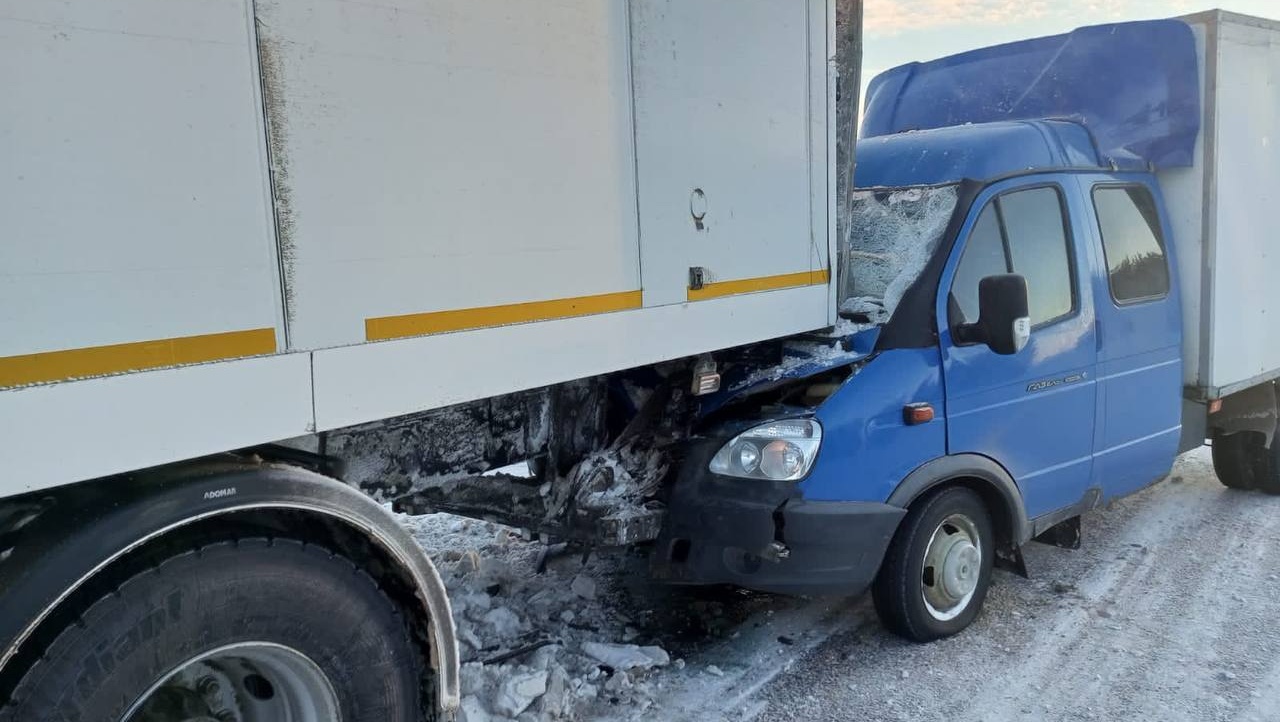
[245, 682]
[952, 568]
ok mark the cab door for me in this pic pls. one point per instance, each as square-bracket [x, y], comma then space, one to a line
[1139, 414]
[1033, 412]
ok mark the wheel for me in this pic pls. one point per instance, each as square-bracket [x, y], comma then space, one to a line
[1235, 458]
[1243, 461]
[935, 575]
[249, 630]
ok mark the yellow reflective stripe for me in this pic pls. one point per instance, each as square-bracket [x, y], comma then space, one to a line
[102, 360]
[764, 283]
[423, 324]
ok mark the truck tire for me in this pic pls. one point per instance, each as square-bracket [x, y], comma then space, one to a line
[937, 570]
[252, 629]
[1243, 461]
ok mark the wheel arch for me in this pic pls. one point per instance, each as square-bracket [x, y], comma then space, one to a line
[990, 480]
[60, 543]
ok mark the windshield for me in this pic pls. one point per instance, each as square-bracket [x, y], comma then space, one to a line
[892, 235]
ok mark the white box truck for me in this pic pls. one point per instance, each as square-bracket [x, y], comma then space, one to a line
[231, 227]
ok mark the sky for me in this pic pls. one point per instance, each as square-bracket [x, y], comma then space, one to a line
[900, 31]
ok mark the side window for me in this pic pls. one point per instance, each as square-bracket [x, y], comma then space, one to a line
[1021, 232]
[1132, 242]
[983, 256]
[1037, 237]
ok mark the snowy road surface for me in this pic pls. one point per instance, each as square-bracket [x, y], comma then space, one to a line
[1169, 612]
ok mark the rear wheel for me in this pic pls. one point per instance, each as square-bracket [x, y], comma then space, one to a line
[936, 573]
[249, 630]
[1243, 461]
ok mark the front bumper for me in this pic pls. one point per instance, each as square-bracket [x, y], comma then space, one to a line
[762, 535]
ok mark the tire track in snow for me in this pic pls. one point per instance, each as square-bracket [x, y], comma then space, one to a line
[753, 658]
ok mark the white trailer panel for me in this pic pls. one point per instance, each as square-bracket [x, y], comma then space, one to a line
[133, 203]
[501, 194]
[446, 155]
[1224, 209]
[357, 384]
[723, 105]
[57, 433]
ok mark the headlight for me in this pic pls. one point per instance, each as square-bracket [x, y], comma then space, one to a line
[778, 451]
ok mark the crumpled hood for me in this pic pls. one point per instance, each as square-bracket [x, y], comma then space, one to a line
[846, 344]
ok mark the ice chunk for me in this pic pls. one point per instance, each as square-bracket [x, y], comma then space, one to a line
[472, 711]
[626, 657]
[518, 692]
[504, 622]
[584, 586]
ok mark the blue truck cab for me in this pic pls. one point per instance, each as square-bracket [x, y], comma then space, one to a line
[1010, 354]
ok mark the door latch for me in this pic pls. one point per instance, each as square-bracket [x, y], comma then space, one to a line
[697, 278]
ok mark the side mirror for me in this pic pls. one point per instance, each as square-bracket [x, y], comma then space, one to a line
[1004, 321]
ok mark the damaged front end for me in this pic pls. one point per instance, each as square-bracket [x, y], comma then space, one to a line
[589, 462]
[736, 515]
[584, 462]
[761, 534]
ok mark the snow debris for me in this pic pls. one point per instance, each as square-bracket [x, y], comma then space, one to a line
[714, 671]
[811, 354]
[472, 711]
[504, 622]
[518, 692]
[627, 657]
[532, 647]
[615, 479]
[872, 309]
[584, 587]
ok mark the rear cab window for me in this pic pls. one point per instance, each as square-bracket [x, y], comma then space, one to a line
[1025, 232]
[1132, 241]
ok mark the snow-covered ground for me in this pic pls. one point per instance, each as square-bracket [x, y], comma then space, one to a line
[1167, 614]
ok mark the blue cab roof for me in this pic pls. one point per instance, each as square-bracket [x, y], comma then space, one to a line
[977, 152]
[1129, 91]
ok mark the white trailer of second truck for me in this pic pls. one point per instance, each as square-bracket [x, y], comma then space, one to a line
[1222, 209]
[228, 223]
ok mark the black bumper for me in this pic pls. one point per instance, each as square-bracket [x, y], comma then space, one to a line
[761, 535]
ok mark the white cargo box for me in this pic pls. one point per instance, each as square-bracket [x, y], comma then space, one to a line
[389, 206]
[1224, 209]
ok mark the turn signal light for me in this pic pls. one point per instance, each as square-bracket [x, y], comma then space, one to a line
[917, 414]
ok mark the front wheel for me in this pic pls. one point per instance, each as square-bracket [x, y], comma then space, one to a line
[252, 630]
[936, 573]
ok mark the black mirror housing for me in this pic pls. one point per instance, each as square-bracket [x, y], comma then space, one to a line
[1004, 317]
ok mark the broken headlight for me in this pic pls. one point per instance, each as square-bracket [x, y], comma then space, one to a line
[777, 451]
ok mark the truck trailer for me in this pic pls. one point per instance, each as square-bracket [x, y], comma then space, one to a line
[269, 264]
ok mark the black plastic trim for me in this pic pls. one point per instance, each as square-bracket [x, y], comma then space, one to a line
[968, 466]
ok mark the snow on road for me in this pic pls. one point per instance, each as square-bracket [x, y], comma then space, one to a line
[1166, 613]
